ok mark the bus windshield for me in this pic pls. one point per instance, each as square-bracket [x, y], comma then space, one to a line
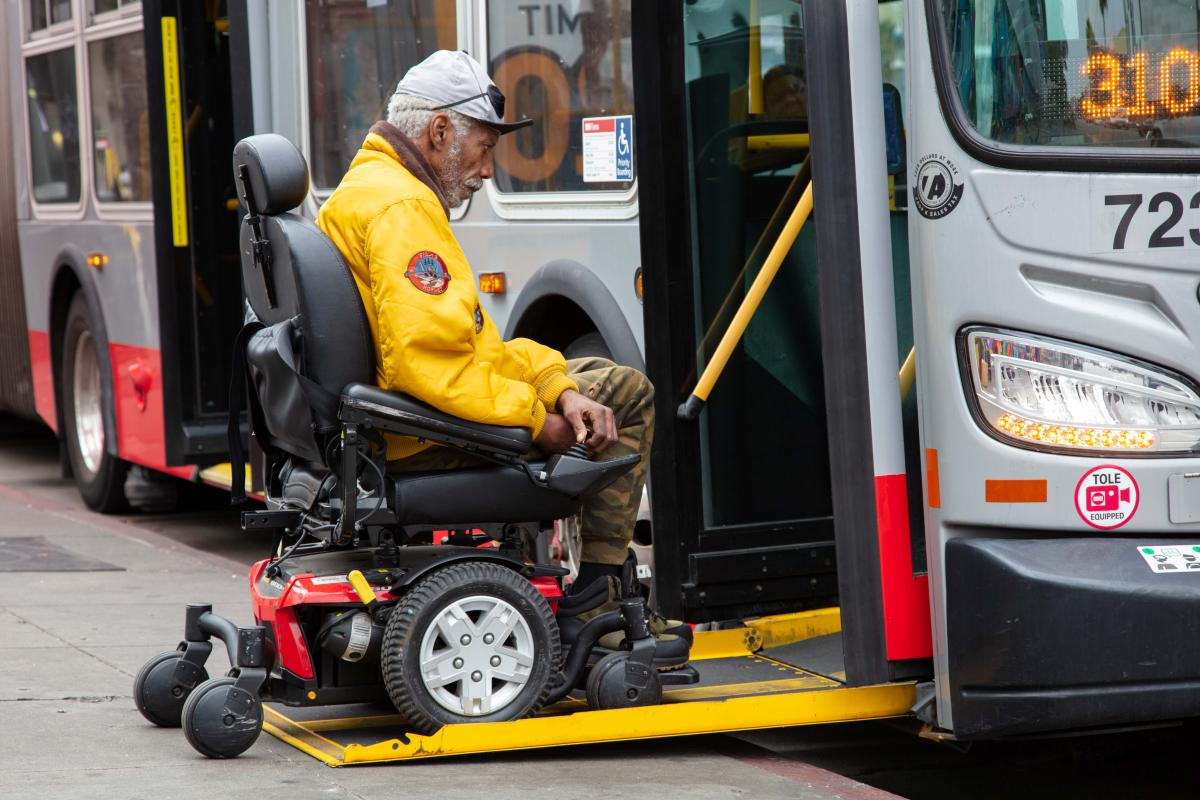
[1078, 73]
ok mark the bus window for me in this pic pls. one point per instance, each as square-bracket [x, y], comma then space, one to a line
[105, 6]
[357, 53]
[558, 63]
[1077, 73]
[120, 121]
[53, 126]
[40, 14]
[764, 439]
[35, 15]
[60, 11]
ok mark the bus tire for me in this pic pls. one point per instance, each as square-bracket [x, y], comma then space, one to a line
[99, 475]
[589, 345]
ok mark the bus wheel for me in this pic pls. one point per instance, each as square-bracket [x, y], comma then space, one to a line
[589, 345]
[99, 475]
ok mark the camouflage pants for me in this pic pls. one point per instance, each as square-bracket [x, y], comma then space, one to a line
[607, 519]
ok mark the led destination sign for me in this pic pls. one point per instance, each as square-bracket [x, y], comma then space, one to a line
[1141, 85]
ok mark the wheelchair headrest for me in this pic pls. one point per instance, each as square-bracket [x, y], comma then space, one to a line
[270, 171]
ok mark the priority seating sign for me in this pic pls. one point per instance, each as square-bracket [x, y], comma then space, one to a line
[608, 149]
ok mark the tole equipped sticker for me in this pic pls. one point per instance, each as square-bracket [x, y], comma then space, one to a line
[1106, 497]
[1171, 557]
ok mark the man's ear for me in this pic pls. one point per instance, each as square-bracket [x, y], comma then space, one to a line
[440, 132]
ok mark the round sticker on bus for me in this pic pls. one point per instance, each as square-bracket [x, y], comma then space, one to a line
[1107, 497]
[937, 186]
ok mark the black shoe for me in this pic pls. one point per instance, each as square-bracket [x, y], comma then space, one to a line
[604, 595]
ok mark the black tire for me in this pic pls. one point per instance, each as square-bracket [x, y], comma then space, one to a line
[608, 686]
[589, 345]
[102, 485]
[418, 610]
[214, 732]
[158, 695]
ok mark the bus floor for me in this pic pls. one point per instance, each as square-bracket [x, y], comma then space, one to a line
[774, 672]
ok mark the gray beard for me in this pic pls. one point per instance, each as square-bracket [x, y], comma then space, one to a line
[456, 188]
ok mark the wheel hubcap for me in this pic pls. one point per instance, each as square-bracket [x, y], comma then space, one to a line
[476, 656]
[89, 421]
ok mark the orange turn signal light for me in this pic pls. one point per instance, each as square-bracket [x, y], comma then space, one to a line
[637, 283]
[492, 282]
[97, 260]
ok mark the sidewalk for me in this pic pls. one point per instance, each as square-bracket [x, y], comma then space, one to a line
[71, 642]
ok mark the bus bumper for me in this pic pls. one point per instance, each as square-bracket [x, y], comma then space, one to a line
[1069, 633]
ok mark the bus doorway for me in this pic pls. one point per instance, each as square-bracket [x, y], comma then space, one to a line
[189, 49]
[791, 489]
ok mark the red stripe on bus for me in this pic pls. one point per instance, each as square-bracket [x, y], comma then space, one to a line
[905, 596]
[42, 371]
[138, 401]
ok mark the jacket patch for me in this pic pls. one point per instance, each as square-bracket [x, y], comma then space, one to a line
[427, 272]
[478, 319]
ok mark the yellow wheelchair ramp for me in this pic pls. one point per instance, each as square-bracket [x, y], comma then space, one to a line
[775, 672]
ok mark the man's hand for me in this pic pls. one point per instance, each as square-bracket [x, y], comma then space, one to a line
[593, 423]
[557, 436]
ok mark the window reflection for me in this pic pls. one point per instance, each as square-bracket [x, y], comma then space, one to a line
[53, 126]
[120, 121]
[357, 53]
[764, 434]
[558, 63]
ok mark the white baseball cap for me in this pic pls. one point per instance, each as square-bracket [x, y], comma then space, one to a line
[453, 79]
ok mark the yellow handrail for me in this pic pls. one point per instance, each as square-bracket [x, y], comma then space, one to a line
[908, 373]
[690, 408]
[777, 141]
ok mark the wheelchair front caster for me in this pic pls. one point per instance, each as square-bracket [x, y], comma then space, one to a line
[221, 720]
[162, 687]
[617, 681]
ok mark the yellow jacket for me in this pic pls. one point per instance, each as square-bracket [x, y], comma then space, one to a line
[432, 338]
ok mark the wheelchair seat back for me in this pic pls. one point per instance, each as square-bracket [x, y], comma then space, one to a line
[314, 338]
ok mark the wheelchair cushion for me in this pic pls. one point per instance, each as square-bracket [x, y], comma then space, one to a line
[486, 494]
[408, 411]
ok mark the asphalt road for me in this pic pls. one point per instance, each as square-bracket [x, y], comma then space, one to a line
[107, 749]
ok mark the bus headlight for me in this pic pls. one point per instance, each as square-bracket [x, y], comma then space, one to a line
[1057, 395]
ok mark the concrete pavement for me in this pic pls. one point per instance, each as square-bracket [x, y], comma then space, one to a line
[71, 642]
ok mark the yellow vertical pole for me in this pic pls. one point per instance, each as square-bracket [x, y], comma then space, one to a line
[754, 87]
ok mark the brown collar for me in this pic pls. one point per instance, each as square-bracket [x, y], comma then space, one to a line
[411, 158]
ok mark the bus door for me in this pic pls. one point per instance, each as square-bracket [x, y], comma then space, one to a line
[790, 490]
[192, 91]
[1055, 226]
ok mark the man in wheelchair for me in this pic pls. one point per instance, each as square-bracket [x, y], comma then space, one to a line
[388, 408]
[389, 217]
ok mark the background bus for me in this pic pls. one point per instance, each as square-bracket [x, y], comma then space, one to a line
[118, 219]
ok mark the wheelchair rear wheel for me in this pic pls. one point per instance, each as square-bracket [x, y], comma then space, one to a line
[473, 642]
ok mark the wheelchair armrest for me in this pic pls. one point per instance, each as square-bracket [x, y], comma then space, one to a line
[399, 413]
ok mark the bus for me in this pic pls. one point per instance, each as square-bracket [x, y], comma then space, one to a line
[1006, 538]
[120, 256]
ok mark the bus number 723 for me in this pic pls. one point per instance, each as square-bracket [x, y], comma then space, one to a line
[1160, 237]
